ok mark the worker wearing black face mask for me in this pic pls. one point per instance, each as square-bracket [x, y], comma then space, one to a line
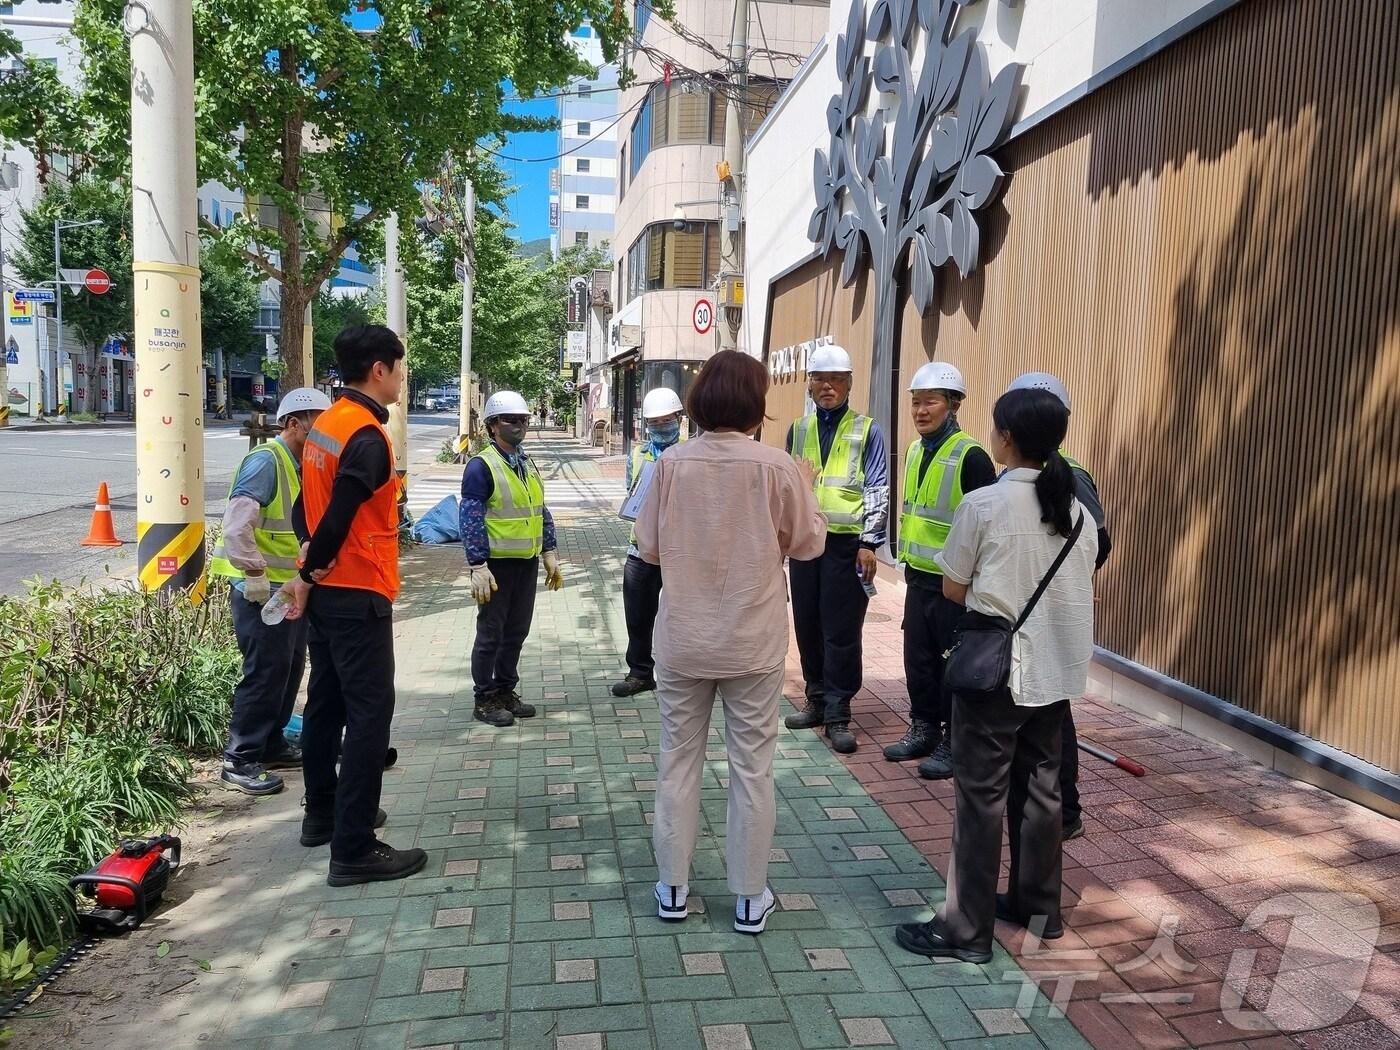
[506, 530]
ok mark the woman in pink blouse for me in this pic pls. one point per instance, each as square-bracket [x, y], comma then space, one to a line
[722, 514]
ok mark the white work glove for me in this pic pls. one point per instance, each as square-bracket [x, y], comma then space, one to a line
[483, 583]
[257, 589]
[553, 578]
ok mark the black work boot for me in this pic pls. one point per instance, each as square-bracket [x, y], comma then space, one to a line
[632, 685]
[811, 715]
[843, 741]
[319, 828]
[516, 706]
[493, 709]
[918, 741]
[286, 757]
[939, 765]
[250, 778]
[380, 863]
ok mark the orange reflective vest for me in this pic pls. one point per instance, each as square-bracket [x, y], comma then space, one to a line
[369, 558]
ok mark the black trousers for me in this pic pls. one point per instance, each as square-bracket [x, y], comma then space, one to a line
[351, 692]
[828, 615]
[641, 596]
[930, 630]
[274, 658]
[503, 624]
[1006, 761]
[1069, 770]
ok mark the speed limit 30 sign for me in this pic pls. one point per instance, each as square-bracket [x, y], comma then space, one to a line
[703, 317]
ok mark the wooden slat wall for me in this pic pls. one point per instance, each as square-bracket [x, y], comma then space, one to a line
[1208, 251]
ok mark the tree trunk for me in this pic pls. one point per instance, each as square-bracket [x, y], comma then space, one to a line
[85, 380]
[294, 300]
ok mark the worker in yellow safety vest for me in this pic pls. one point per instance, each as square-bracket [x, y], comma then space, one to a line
[846, 450]
[506, 531]
[942, 465]
[1086, 490]
[259, 547]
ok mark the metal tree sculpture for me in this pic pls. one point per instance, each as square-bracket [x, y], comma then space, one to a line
[903, 183]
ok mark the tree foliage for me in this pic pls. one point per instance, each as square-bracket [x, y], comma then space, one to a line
[330, 126]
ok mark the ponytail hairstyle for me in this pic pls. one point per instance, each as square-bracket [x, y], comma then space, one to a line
[1036, 421]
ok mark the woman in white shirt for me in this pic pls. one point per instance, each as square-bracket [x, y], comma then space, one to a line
[1003, 541]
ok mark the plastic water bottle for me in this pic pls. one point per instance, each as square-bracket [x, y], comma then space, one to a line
[869, 586]
[275, 609]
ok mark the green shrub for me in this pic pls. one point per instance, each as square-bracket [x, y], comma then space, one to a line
[103, 696]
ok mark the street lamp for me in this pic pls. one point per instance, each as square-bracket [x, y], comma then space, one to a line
[59, 225]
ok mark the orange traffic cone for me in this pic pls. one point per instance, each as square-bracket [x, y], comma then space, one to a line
[100, 532]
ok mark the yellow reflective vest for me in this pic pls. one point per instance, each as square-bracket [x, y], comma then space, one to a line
[277, 541]
[515, 511]
[841, 479]
[929, 505]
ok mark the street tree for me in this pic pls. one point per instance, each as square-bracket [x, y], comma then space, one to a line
[323, 127]
[106, 246]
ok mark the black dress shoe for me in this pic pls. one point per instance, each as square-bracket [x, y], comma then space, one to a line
[390, 757]
[1073, 831]
[318, 830]
[632, 685]
[928, 939]
[1006, 914]
[843, 741]
[380, 863]
[288, 758]
[250, 778]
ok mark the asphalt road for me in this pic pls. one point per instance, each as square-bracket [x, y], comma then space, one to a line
[48, 480]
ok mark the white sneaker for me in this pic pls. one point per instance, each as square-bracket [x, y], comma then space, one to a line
[751, 913]
[670, 902]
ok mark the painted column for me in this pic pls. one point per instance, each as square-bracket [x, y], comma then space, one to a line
[308, 354]
[165, 250]
[464, 424]
[396, 313]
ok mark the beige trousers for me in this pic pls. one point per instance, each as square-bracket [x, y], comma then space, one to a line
[751, 738]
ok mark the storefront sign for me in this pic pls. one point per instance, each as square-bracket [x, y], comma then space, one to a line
[579, 287]
[19, 309]
[576, 351]
[791, 361]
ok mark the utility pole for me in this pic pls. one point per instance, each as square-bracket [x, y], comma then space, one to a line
[4, 341]
[468, 277]
[56, 347]
[396, 313]
[731, 256]
[165, 269]
[308, 351]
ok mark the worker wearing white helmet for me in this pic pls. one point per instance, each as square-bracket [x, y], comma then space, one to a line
[942, 465]
[1086, 490]
[846, 450]
[258, 549]
[507, 531]
[641, 581]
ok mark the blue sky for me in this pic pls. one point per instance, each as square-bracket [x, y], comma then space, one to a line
[528, 204]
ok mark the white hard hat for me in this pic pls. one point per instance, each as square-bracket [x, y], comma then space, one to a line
[663, 401]
[302, 399]
[939, 375]
[829, 358]
[505, 403]
[1041, 381]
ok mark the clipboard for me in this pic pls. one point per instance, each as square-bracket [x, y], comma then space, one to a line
[632, 505]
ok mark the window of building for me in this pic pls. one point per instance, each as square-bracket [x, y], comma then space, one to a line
[641, 14]
[583, 166]
[622, 171]
[585, 91]
[581, 201]
[671, 116]
[581, 238]
[585, 128]
[664, 257]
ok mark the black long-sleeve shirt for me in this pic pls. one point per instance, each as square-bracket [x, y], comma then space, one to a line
[364, 468]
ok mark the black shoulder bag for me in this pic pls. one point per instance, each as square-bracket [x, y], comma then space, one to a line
[979, 665]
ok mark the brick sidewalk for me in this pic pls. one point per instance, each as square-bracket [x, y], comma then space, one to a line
[1198, 845]
[533, 926]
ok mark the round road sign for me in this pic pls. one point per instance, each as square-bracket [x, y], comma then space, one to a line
[97, 282]
[703, 317]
